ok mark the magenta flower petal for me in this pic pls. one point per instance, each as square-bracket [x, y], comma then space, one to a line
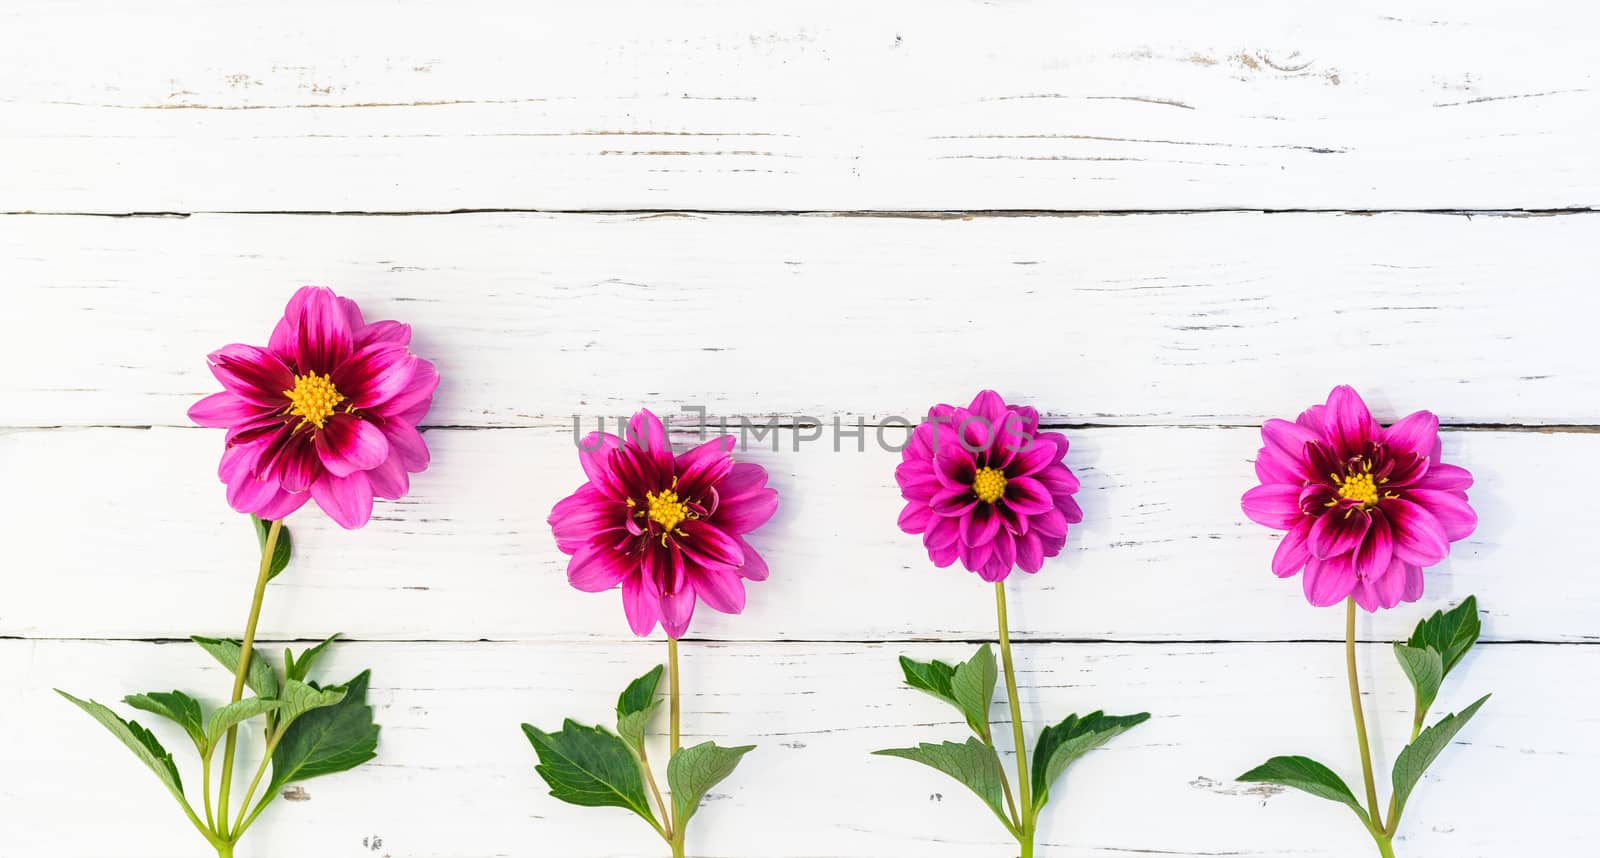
[1417, 433]
[755, 566]
[1026, 496]
[407, 445]
[1350, 424]
[1419, 537]
[722, 589]
[1294, 550]
[1274, 505]
[1455, 515]
[253, 374]
[390, 480]
[1445, 478]
[942, 533]
[1288, 440]
[748, 512]
[1339, 533]
[375, 374]
[386, 331]
[348, 444]
[224, 410]
[1328, 581]
[640, 603]
[347, 500]
[323, 337]
[1376, 550]
[595, 569]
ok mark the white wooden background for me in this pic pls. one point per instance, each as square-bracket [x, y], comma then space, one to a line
[1158, 222]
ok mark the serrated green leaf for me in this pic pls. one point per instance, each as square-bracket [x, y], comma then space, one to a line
[1306, 775]
[300, 668]
[589, 766]
[174, 706]
[138, 740]
[933, 677]
[1450, 633]
[261, 678]
[235, 713]
[280, 550]
[972, 763]
[1419, 755]
[329, 739]
[694, 770]
[1059, 745]
[973, 687]
[299, 698]
[635, 706]
[1425, 668]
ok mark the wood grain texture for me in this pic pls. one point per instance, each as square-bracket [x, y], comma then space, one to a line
[455, 777]
[181, 106]
[1226, 318]
[125, 533]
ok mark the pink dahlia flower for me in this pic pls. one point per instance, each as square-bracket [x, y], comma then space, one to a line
[667, 528]
[328, 410]
[982, 484]
[1366, 508]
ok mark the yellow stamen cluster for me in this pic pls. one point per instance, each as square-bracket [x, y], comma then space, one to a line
[666, 509]
[1360, 487]
[313, 398]
[989, 484]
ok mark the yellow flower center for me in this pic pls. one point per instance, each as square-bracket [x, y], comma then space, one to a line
[989, 484]
[1360, 487]
[314, 398]
[665, 509]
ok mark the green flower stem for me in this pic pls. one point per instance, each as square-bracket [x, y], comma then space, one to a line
[205, 777]
[678, 826]
[239, 824]
[1361, 720]
[245, 651]
[1385, 847]
[1024, 786]
[655, 790]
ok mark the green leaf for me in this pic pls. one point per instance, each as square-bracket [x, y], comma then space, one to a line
[1306, 775]
[635, 706]
[973, 687]
[298, 698]
[235, 713]
[261, 678]
[329, 739]
[300, 668]
[280, 550]
[933, 677]
[175, 706]
[1425, 668]
[1450, 634]
[972, 763]
[589, 766]
[1415, 759]
[1061, 744]
[138, 739]
[694, 770]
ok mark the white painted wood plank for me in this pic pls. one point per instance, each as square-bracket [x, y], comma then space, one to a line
[1227, 318]
[125, 533]
[455, 777]
[180, 106]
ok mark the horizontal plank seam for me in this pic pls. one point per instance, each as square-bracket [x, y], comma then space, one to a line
[910, 214]
[588, 418]
[264, 642]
